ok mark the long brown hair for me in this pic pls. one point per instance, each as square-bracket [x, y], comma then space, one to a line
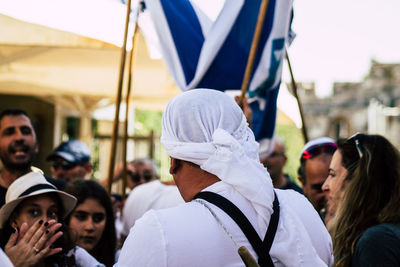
[372, 195]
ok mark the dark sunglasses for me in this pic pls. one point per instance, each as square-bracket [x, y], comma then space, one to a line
[356, 139]
[315, 150]
[137, 177]
[65, 165]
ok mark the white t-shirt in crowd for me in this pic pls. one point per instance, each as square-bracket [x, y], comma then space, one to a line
[4, 260]
[83, 258]
[152, 195]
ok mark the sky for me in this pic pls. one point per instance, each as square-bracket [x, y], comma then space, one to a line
[336, 40]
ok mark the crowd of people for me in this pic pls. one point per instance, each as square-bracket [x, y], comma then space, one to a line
[231, 203]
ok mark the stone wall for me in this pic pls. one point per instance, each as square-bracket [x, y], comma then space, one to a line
[346, 110]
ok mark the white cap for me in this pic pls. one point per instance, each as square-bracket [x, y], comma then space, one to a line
[317, 141]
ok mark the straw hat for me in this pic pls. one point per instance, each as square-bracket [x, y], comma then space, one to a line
[28, 185]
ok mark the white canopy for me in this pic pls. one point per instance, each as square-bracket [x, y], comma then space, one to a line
[74, 60]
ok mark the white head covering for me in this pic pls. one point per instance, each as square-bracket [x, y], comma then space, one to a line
[207, 127]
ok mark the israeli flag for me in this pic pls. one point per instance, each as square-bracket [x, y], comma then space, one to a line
[204, 54]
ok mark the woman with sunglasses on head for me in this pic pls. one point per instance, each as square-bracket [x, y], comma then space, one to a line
[30, 222]
[363, 190]
[91, 223]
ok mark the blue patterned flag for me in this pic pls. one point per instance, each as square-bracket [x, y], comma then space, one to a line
[204, 54]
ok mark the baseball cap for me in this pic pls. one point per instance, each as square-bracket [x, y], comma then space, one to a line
[73, 151]
[316, 146]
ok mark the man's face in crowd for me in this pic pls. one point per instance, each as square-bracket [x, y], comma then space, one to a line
[316, 171]
[68, 171]
[142, 173]
[18, 144]
[275, 162]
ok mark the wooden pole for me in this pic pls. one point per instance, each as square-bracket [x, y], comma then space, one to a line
[253, 50]
[294, 86]
[118, 100]
[128, 94]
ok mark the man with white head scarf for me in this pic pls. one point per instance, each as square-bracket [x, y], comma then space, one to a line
[212, 149]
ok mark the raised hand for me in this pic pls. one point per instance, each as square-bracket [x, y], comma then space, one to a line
[27, 247]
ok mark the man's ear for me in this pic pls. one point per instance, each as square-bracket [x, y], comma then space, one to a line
[175, 165]
[301, 179]
[36, 148]
[88, 167]
[284, 158]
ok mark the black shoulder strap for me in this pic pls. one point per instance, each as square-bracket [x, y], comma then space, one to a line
[273, 224]
[260, 247]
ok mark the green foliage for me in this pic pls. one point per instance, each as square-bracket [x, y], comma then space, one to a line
[147, 121]
[294, 142]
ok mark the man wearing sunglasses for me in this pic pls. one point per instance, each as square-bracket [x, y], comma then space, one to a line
[275, 162]
[314, 167]
[148, 194]
[70, 161]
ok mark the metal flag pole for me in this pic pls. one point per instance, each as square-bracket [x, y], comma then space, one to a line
[118, 101]
[253, 50]
[294, 86]
[128, 94]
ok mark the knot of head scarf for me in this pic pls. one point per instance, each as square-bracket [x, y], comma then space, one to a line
[226, 145]
[207, 127]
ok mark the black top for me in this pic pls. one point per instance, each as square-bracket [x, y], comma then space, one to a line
[378, 246]
[292, 185]
[60, 184]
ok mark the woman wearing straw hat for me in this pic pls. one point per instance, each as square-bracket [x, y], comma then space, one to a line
[30, 224]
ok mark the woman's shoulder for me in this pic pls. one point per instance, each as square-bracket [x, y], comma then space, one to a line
[382, 232]
[379, 245]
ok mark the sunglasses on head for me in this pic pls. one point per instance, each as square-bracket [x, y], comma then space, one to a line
[65, 165]
[315, 150]
[356, 140]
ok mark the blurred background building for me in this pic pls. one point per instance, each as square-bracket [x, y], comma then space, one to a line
[370, 106]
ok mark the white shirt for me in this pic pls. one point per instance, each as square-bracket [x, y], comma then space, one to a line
[83, 258]
[311, 221]
[4, 260]
[189, 235]
[152, 195]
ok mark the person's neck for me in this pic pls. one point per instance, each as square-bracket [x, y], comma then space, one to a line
[280, 182]
[197, 179]
[7, 177]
